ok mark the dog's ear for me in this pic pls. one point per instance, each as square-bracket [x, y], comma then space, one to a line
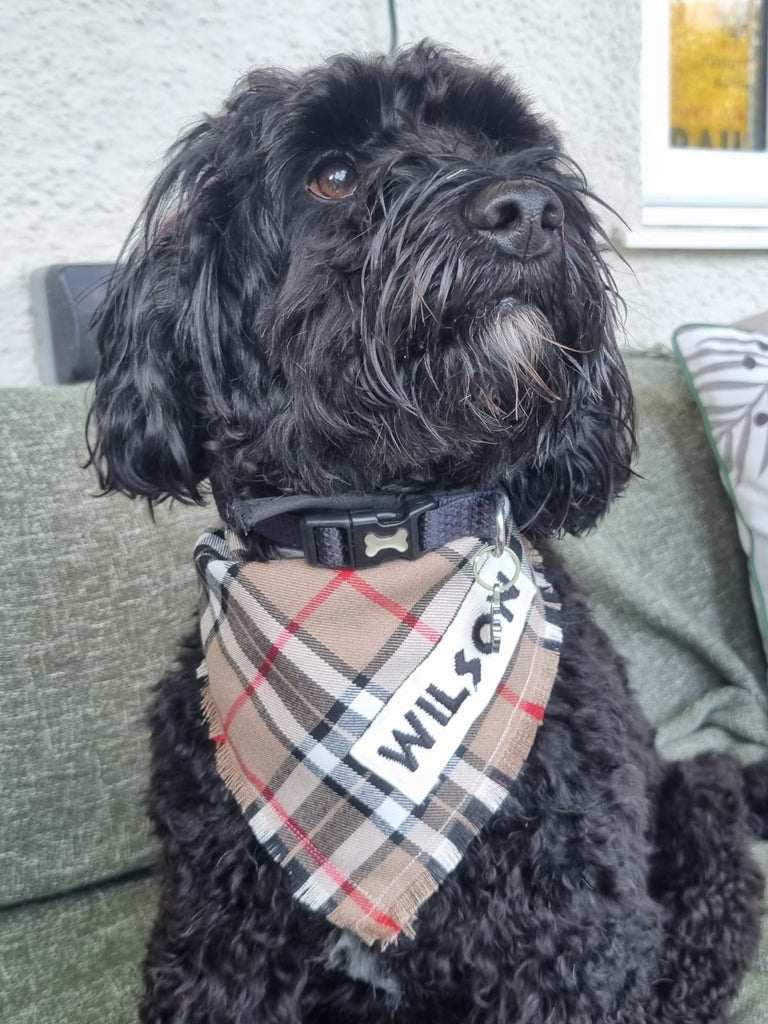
[187, 286]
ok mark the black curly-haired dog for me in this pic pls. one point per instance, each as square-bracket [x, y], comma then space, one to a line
[384, 276]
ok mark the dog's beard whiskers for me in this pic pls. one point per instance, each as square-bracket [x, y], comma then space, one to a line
[516, 338]
[488, 382]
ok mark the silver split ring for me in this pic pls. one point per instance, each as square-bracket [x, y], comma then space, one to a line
[487, 549]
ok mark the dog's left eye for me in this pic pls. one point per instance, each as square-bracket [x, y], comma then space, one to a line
[334, 179]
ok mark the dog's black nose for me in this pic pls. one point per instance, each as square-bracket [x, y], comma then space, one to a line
[523, 217]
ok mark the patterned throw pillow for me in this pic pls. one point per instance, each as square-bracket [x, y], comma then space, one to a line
[727, 372]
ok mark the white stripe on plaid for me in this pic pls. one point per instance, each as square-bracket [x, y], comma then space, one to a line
[301, 660]
[418, 692]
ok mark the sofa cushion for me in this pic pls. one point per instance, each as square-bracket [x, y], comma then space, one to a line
[727, 372]
[94, 597]
[76, 959]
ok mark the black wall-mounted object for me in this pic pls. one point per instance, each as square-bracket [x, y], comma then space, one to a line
[64, 298]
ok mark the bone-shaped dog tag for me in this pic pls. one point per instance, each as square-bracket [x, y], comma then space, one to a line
[497, 588]
[398, 541]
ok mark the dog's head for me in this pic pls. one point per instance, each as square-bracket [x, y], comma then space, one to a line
[379, 274]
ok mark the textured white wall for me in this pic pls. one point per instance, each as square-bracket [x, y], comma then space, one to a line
[93, 91]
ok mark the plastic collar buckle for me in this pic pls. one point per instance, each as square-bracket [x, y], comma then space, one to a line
[372, 537]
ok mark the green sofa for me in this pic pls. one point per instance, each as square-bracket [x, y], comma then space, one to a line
[94, 595]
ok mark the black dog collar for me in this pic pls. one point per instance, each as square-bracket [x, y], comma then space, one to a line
[356, 531]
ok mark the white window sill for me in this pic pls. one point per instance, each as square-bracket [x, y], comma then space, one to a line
[696, 236]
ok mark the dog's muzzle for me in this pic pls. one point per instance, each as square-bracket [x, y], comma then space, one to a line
[524, 218]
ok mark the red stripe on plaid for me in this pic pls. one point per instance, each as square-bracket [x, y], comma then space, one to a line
[296, 623]
[341, 881]
[364, 588]
[534, 710]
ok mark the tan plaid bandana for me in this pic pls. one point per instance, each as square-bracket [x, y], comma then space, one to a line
[362, 720]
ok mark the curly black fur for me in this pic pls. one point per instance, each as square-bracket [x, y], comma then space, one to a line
[400, 338]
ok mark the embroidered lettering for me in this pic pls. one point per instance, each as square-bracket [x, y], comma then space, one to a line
[464, 666]
[419, 738]
[451, 704]
[480, 624]
[439, 716]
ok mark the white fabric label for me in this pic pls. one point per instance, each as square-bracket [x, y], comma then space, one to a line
[425, 721]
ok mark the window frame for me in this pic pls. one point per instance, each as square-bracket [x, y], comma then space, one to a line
[692, 198]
